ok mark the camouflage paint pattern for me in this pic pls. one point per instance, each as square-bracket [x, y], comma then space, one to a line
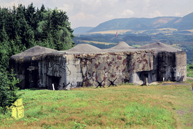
[76, 70]
[110, 66]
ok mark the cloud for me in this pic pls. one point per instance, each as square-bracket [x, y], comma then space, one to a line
[9, 3]
[147, 3]
[98, 2]
[79, 16]
[177, 14]
[82, 16]
[109, 16]
[93, 12]
[66, 7]
[155, 14]
[127, 12]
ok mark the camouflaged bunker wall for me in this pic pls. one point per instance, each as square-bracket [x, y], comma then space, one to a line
[77, 70]
[117, 67]
[67, 71]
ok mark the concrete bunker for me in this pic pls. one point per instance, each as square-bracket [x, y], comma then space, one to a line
[86, 65]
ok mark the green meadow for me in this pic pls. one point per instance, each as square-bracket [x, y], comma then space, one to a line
[125, 106]
[190, 70]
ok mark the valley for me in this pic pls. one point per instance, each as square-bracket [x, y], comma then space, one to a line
[175, 31]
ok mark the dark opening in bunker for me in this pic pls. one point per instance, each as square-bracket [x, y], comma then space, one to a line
[143, 75]
[33, 78]
[55, 80]
[31, 75]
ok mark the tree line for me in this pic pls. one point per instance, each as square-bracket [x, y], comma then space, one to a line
[22, 28]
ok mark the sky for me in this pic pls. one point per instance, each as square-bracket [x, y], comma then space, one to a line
[90, 13]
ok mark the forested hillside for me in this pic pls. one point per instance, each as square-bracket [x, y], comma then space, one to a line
[24, 27]
[180, 23]
[182, 41]
[80, 30]
[135, 23]
[175, 31]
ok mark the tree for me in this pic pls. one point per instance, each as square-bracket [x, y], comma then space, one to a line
[22, 28]
[4, 49]
[61, 31]
[8, 90]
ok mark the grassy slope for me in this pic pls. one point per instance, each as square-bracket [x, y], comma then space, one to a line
[125, 106]
[189, 70]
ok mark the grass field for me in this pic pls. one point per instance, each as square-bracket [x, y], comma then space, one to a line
[190, 70]
[125, 106]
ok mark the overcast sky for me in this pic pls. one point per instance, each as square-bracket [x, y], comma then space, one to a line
[93, 12]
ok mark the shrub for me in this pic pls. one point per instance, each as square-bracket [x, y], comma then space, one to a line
[8, 90]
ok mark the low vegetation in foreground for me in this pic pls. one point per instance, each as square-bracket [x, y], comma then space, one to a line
[126, 106]
[190, 70]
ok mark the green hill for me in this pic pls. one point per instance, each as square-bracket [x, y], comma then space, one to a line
[80, 30]
[184, 23]
[135, 23]
[180, 23]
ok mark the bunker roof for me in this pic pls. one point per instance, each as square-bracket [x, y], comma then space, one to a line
[34, 51]
[158, 46]
[83, 48]
[121, 45]
[88, 49]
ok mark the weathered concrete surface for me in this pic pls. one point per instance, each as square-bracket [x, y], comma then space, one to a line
[166, 65]
[172, 66]
[181, 72]
[120, 66]
[69, 69]
[74, 76]
[52, 70]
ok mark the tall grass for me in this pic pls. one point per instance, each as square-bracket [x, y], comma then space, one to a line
[125, 106]
[190, 70]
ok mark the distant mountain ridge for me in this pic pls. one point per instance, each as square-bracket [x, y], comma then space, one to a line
[80, 30]
[180, 23]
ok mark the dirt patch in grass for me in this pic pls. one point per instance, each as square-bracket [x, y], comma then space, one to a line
[73, 118]
[176, 83]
